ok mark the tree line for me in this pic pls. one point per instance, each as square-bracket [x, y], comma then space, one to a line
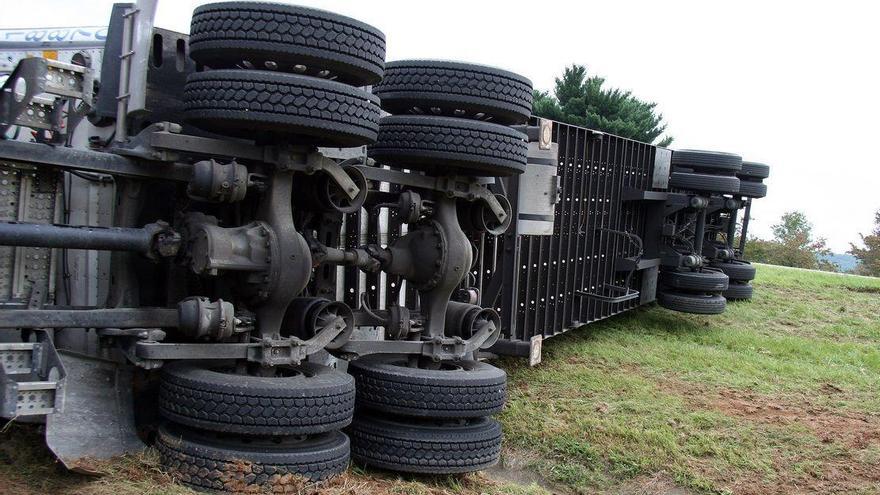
[793, 244]
[582, 100]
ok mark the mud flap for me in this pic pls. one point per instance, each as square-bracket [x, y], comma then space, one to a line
[96, 417]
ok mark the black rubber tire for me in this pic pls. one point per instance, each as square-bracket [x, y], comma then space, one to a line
[708, 161]
[463, 389]
[445, 145]
[248, 103]
[754, 170]
[752, 189]
[703, 304]
[724, 184]
[739, 271]
[739, 291]
[707, 280]
[455, 89]
[287, 38]
[316, 399]
[228, 464]
[424, 446]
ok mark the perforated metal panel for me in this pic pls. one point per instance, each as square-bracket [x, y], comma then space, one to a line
[26, 195]
[534, 281]
[542, 276]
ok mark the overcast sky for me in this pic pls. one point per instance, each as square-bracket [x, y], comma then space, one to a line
[793, 84]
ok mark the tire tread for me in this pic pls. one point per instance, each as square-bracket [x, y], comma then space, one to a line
[224, 33]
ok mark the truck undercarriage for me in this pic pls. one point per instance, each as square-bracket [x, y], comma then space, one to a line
[221, 243]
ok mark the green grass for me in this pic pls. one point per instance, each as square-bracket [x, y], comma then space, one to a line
[777, 395]
[646, 393]
[28, 468]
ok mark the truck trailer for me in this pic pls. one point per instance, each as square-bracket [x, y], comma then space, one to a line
[264, 251]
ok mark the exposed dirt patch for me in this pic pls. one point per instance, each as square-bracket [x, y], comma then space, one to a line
[656, 484]
[838, 472]
[864, 290]
[850, 429]
[515, 467]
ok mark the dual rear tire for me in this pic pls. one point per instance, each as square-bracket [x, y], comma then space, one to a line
[451, 118]
[705, 171]
[280, 72]
[428, 446]
[426, 420]
[741, 273]
[695, 291]
[231, 432]
[752, 178]
[212, 461]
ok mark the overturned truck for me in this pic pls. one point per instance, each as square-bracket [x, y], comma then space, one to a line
[261, 245]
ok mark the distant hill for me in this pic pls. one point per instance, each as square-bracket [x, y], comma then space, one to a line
[846, 262]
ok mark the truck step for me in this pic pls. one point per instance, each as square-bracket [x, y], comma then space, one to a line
[29, 378]
[31, 398]
[18, 358]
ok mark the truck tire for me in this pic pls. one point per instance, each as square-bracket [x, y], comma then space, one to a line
[724, 184]
[703, 304]
[715, 162]
[707, 280]
[447, 145]
[306, 399]
[248, 103]
[221, 463]
[752, 189]
[736, 270]
[463, 389]
[455, 89]
[287, 38]
[739, 291]
[754, 170]
[420, 446]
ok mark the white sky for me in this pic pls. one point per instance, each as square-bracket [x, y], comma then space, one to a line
[792, 84]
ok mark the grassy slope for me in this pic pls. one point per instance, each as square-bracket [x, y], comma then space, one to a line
[775, 396]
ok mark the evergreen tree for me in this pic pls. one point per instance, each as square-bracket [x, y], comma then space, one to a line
[582, 101]
[869, 256]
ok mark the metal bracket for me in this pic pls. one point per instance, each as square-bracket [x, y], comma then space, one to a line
[164, 141]
[317, 162]
[662, 166]
[623, 294]
[617, 294]
[22, 100]
[438, 348]
[45, 156]
[275, 352]
[267, 352]
[453, 187]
